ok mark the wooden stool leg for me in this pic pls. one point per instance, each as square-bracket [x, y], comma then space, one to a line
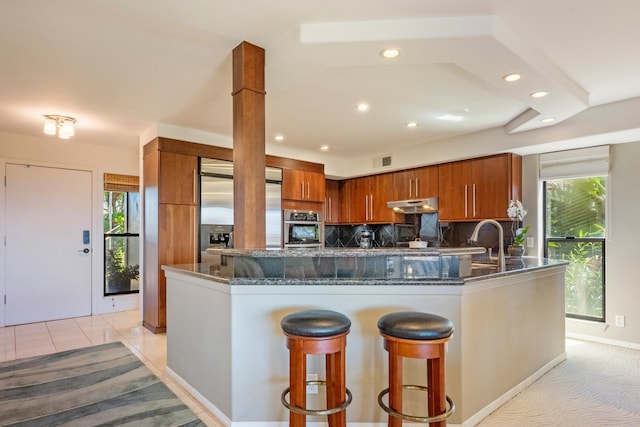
[336, 386]
[436, 393]
[395, 384]
[297, 382]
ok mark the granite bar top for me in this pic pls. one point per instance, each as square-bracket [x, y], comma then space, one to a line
[346, 252]
[479, 272]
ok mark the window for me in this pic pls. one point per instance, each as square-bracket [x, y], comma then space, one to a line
[121, 211]
[575, 232]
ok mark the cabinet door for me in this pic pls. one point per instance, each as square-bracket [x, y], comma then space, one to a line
[491, 187]
[315, 183]
[359, 199]
[293, 184]
[454, 192]
[425, 182]
[332, 202]
[381, 192]
[178, 179]
[302, 185]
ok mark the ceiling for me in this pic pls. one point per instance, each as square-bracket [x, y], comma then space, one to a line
[120, 67]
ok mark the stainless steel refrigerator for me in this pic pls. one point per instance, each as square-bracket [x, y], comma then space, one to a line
[216, 197]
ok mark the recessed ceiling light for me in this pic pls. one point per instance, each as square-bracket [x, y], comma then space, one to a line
[412, 124]
[450, 117]
[363, 107]
[324, 148]
[548, 120]
[279, 138]
[513, 77]
[539, 94]
[390, 53]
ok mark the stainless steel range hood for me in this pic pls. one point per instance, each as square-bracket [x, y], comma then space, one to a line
[413, 206]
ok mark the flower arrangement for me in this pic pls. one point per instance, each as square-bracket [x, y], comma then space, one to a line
[517, 212]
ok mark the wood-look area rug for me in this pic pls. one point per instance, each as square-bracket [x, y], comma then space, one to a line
[103, 385]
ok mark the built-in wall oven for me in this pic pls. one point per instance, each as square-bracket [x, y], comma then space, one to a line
[302, 229]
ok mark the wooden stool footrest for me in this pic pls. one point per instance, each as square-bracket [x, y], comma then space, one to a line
[406, 417]
[305, 411]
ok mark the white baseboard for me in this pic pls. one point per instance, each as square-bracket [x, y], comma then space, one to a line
[591, 338]
[487, 410]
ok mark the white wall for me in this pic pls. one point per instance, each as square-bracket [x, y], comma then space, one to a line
[623, 234]
[99, 159]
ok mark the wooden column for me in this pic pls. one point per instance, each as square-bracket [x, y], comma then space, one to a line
[248, 147]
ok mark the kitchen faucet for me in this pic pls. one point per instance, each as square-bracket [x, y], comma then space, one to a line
[474, 238]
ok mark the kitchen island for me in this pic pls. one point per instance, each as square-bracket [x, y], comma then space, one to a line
[224, 342]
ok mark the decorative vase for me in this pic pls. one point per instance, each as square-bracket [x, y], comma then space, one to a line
[515, 251]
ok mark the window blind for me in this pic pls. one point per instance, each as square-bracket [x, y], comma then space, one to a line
[582, 162]
[116, 182]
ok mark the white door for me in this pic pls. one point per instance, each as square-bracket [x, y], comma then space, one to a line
[47, 259]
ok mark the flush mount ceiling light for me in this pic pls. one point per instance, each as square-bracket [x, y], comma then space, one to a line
[63, 125]
[279, 137]
[512, 77]
[412, 124]
[362, 106]
[390, 53]
[548, 120]
[324, 148]
[539, 94]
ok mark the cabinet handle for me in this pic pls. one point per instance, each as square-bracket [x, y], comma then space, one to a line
[417, 188]
[330, 211]
[466, 191]
[366, 207]
[474, 200]
[195, 187]
[302, 190]
[410, 188]
[371, 207]
[308, 190]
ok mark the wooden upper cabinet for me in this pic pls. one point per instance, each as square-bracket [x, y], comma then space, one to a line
[479, 189]
[416, 183]
[368, 199]
[334, 202]
[178, 179]
[303, 185]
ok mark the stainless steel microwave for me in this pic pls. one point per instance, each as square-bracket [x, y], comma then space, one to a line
[302, 229]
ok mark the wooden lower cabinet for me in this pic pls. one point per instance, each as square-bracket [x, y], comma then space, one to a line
[172, 239]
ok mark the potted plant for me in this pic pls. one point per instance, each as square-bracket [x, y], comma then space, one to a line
[119, 275]
[517, 212]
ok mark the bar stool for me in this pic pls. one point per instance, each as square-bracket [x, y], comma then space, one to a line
[419, 336]
[316, 332]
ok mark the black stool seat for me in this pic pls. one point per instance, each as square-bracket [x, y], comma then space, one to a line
[415, 326]
[315, 323]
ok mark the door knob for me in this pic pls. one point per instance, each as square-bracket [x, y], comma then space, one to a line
[85, 250]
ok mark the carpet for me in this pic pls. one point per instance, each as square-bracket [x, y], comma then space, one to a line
[597, 386]
[103, 385]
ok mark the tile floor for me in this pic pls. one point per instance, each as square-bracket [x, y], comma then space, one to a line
[36, 339]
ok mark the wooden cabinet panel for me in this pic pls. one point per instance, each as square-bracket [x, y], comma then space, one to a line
[416, 183]
[176, 233]
[479, 188]
[368, 199]
[178, 179]
[303, 185]
[334, 206]
[453, 191]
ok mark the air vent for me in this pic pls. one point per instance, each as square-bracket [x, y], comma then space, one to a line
[382, 162]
